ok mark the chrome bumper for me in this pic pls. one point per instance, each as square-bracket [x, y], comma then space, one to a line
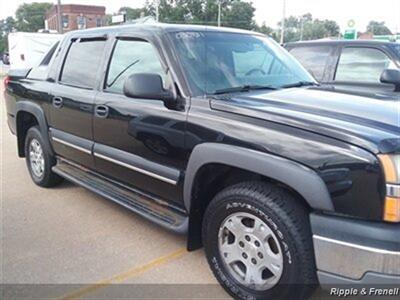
[352, 260]
[353, 251]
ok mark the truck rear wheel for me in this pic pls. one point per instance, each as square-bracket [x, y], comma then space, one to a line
[38, 160]
[258, 242]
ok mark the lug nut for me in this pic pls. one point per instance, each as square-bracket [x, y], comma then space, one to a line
[241, 244]
[260, 255]
[247, 238]
[257, 243]
[253, 260]
[244, 255]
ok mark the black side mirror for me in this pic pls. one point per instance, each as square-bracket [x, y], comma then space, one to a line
[147, 86]
[391, 76]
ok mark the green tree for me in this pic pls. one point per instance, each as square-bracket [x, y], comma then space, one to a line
[292, 29]
[269, 31]
[332, 28]
[6, 26]
[30, 16]
[240, 15]
[378, 28]
[108, 20]
[314, 30]
[264, 29]
[306, 28]
[132, 13]
[234, 13]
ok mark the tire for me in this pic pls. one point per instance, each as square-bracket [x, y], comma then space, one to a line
[39, 166]
[245, 209]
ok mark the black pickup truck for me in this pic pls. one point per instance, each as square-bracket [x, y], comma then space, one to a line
[221, 135]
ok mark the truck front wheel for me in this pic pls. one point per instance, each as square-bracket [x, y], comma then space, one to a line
[258, 242]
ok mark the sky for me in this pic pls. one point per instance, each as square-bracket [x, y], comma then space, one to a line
[270, 11]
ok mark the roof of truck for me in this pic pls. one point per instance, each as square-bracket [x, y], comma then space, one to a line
[158, 27]
[339, 42]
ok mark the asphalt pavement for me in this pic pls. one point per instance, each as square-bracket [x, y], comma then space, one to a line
[68, 243]
[82, 243]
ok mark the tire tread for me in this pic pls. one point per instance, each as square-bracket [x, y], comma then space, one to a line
[272, 198]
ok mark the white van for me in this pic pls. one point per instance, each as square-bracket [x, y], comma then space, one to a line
[28, 48]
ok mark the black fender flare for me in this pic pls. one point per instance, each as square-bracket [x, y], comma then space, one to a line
[38, 113]
[300, 178]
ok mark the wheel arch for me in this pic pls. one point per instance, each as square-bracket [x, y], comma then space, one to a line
[300, 179]
[29, 114]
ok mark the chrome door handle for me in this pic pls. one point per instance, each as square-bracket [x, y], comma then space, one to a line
[57, 102]
[101, 111]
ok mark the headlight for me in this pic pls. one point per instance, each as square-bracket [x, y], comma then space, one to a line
[391, 167]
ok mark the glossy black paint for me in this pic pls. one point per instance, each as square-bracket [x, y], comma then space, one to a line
[379, 90]
[337, 135]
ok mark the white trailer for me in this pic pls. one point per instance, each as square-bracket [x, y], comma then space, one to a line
[27, 49]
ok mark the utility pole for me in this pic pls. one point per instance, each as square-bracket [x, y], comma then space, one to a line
[219, 12]
[59, 18]
[157, 10]
[301, 28]
[283, 22]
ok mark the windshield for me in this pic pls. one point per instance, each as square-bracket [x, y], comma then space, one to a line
[218, 61]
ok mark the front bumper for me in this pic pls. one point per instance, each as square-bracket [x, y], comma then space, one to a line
[350, 251]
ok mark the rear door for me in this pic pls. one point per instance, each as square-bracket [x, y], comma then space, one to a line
[71, 112]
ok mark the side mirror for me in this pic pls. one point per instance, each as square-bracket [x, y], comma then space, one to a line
[391, 76]
[147, 86]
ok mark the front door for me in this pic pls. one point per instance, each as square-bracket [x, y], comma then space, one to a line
[139, 141]
[71, 112]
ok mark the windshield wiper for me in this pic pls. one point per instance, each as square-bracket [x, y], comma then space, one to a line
[243, 88]
[299, 84]
[122, 72]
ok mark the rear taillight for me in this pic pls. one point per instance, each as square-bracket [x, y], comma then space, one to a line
[6, 81]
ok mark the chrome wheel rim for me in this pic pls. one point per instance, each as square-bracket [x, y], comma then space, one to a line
[36, 158]
[250, 251]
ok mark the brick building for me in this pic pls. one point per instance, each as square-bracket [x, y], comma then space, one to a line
[76, 16]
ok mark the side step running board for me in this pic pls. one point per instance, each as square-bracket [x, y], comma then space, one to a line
[153, 209]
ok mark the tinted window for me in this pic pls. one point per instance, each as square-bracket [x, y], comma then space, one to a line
[47, 58]
[131, 57]
[41, 71]
[314, 59]
[361, 65]
[82, 62]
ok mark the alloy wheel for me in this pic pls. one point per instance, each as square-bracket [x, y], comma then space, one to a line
[250, 251]
[36, 158]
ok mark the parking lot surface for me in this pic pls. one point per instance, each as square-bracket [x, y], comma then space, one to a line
[68, 235]
[68, 243]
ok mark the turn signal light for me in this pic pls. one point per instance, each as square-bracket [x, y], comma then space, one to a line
[392, 209]
[391, 167]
